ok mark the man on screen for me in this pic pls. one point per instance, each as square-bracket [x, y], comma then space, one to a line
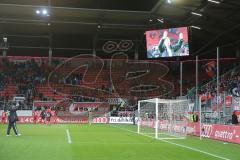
[165, 47]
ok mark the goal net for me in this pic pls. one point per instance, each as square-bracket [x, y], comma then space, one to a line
[163, 118]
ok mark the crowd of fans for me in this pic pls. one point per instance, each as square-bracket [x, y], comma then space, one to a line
[228, 82]
[74, 79]
[26, 75]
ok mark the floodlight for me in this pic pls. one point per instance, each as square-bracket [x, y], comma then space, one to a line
[160, 20]
[214, 1]
[44, 11]
[37, 12]
[5, 39]
[196, 27]
[197, 14]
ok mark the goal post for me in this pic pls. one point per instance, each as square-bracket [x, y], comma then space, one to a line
[163, 118]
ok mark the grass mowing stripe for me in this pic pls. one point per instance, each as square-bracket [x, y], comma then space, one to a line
[69, 137]
[180, 145]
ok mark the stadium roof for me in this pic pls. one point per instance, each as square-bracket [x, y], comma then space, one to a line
[81, 25]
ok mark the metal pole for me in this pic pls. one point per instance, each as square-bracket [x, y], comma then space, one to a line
[218, 109]
[196, 87]
[181, 66]
[224, 104]
[136, 50]
[156, 121]
[4, 52]
[198, 101]
[200, 118]
[50, 56]
[138, 131]
[95, 39]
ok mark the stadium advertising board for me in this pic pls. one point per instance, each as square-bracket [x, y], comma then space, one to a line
[59, 120]
[26, 119]
[82, 108]
[222, 132]
[226, 133]
[71, 120]
[122, 120]
[167, 42]
[100, 120]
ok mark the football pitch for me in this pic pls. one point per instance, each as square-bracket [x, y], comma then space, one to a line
[106, 142]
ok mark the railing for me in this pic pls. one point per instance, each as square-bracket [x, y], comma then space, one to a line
[227, 103]
[212, 81]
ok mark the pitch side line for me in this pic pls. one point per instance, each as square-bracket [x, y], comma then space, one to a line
[68, 136]
[176, 144]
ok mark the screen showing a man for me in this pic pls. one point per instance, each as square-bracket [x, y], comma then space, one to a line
[167, 42]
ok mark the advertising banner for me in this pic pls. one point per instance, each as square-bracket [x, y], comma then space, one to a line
[225, 133]
[100, 120]
[71, 120]
[122, 120]
[82, 108]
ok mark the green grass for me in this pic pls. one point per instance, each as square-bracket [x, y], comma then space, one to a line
[104, 142]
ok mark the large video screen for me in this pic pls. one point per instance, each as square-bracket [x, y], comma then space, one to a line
[167, 42]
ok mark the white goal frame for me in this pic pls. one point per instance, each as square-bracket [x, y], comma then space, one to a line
[156, 125]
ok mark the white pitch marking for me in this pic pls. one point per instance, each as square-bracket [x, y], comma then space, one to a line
[180, 145]
[68, 136]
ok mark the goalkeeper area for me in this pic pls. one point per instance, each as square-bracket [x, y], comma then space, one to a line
[106, 142]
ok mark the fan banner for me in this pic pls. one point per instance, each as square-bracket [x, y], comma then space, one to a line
[211, 69]
[228, 101]
[235, 91]
[236, 103]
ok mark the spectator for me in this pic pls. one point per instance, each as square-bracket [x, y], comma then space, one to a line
[234, 118]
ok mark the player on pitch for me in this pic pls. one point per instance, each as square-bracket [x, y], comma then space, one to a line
[12, 119]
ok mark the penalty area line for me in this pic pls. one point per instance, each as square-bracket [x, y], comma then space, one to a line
[68, 136]
[176, 144]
